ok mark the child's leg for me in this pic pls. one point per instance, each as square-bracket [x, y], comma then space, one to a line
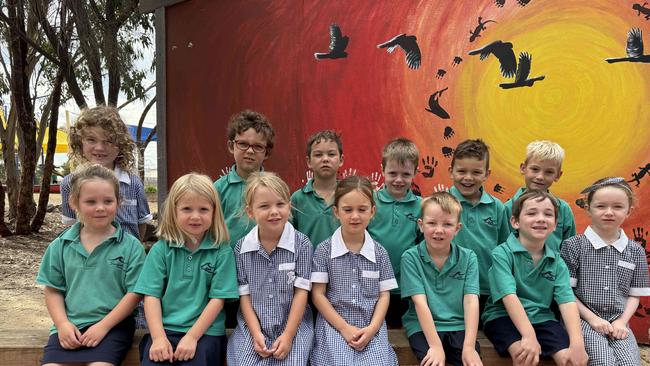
[597, 346]
[396, 308]
[452, 343]
[504, 336]
[419, 345]
[554, 340]
[626, 350]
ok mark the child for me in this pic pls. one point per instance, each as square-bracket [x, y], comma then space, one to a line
[351, 281]
[441, 280]
[101, 137]
[312, 204]
[250, 141]
[398, 209]
[542, 168]
[89, 273]
[484, 218]
[275, 325]
[608, 274]
[525, 277]
[186, 277]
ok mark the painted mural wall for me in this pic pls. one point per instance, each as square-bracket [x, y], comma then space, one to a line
[506, 71]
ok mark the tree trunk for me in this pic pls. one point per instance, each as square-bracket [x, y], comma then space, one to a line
[4, 230]
[11, 166]
[142, 145]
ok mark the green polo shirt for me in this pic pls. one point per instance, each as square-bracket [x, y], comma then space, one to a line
[93, 283]
[185, 281]
[231, 193]
[395, 226]
[485, 225]
[536, 287]
[444, 289]
[312, 216]
[566, 225]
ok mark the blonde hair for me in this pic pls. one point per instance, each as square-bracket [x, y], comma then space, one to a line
[446, 201]
[200, 185]
[89, 172]
[269, 180]
[108, 119]
[401, 150]
[545, 150]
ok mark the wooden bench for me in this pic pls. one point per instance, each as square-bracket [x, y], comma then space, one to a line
[25, 347]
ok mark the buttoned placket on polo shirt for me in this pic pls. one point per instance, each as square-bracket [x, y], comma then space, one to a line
[188, 264]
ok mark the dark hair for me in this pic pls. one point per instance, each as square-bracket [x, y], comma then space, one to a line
[533, 195]
[326, 135]
[615, 182]
[472, 149]
[246, 119]
[351, 183]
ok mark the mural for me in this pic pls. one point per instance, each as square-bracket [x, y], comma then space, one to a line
[587, 88]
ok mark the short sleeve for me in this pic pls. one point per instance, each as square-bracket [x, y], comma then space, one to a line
[387, 279]
[569, 223]
[320, 263]
[153, 276]
[144, 215]
[136, 262]
[570, 252]
[50, 272]
[411, 281]
[68, 216]
[500, 276]
[242, 270]
[640, 285]
[471, 277]
[562, 292]
[224, 285]
[503, 223]
[303, 262]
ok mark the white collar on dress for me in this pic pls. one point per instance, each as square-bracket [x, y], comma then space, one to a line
[598, 242]
[287, 240]
[121, 175]
[339, 248]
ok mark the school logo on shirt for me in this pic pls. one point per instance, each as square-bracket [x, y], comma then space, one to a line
[548, 275]
[458, 275]
[117, 262]
[411, 217]
[489, 221]
[208, 267]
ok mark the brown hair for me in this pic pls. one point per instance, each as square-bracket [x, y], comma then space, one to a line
[400, 150]
[472, 149]
[246, 119]
[447, 202]
[89, 172]
[353, 183]
[326, 135]
[538, 196]
[615, 182]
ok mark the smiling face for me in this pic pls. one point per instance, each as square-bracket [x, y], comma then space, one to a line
[97, 204]
[194, 215]
[325, 159]
[536, 220]
[398, 177]
[438, 227]
[608, 210]
[468, 175]
[269, 210]
[354, 210]
[98, 147]
[539, 175]
[248, 161]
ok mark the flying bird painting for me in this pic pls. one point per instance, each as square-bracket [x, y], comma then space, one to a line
[338, 44]
[410, 46]
[523, 70]
[503, 52]
[634, 48]
[434, 106]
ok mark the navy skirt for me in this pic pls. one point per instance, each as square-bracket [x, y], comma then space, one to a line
[210, 350]
[112, 349]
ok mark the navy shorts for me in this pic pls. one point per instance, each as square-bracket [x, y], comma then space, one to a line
[396, 309]
[551, 336]
[210, 350]
[452, 344]
[112, 349]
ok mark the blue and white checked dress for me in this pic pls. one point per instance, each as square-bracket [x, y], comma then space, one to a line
[353, 285]
[270, 280]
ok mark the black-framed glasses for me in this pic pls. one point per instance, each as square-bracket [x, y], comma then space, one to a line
[244, 146]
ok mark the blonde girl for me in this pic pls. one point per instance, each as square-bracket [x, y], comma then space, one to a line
[608, 273]
[275, 325]
[352, 278]
[89, 273]
[186, 278]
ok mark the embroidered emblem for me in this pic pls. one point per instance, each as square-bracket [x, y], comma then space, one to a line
[291, 276]
[208, 267]
[458, 275]
[489, 221]
[548, 275]
[117, 262]
[411, 217]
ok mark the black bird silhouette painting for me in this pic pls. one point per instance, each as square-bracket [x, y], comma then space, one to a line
[634, 48]
[523, 70]
[478, 29]
[503, 52]
[434, 106]
[338, 43]
[410, 46]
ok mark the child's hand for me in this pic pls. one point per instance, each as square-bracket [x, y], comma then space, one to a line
[529, 351]
[93, 335]
[69, 336]
[282, 346]
[435, 357]
[601, 326]
[362, 338]
[577, 356]
[349, 333]
[186, 348]
[471, 357]
[259, 346]
[619, 330]
[161, 350]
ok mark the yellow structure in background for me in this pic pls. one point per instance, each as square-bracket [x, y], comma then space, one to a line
[61, 137]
